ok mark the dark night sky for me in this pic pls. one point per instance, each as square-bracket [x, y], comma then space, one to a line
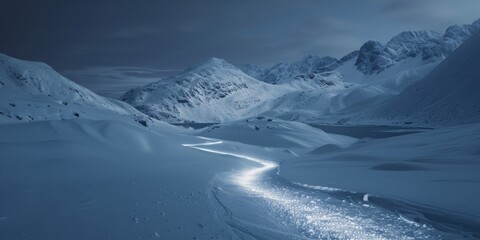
[88, 35]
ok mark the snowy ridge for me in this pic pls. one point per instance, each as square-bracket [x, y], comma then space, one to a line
[252, 70]
[284, 72]
[33, 91]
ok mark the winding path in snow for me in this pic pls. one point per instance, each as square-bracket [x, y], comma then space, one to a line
[259, 204]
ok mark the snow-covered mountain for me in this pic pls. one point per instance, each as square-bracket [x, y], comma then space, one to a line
[214, 91]
[450, 94]
[365, 77]
[31, 91]
[217, 91]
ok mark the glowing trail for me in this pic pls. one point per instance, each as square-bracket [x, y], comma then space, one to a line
[248, 176]
[313, 213]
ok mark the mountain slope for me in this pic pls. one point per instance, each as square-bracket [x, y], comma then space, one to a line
[252, 70]
[214, 91]
[31, 91]
[448, 95]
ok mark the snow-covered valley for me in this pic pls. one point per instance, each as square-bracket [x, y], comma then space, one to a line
[286, 209]
[319, 148]
[111, 179]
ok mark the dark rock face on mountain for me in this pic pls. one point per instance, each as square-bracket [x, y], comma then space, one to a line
[370, 58]
[284, 72]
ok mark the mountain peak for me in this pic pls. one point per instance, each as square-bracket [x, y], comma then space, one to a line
[368, 60]
[213, 63]
[217, 62]
[214, 60]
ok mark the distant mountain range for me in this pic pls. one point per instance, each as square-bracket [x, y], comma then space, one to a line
[373, 56]
[216, 91]
[381, 83]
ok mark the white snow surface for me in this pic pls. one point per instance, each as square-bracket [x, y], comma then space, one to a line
[437, 168]
[105, 179]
